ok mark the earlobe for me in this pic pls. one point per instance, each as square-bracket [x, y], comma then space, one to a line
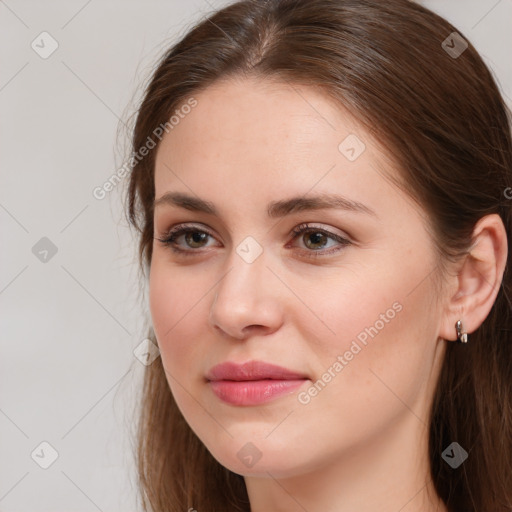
[478, 280]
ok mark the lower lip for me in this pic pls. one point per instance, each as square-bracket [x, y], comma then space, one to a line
[253, 392]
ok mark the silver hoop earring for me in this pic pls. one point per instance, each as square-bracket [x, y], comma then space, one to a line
[462, 336]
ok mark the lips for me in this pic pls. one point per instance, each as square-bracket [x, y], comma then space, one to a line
[252, 383]
[252, 370]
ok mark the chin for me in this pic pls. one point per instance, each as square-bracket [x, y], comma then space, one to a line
[258, 458]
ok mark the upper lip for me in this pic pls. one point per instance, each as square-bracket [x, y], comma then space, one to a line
[251, 370]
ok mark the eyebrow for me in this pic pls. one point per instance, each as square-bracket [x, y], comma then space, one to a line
[275, 209]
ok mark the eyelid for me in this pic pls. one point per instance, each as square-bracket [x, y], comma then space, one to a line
[302, 225]
[184, 226]
[311, 226]
[182, 229]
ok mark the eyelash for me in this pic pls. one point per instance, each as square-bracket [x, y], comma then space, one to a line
[177, 231]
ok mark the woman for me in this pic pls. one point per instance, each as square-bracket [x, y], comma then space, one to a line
[324, 214]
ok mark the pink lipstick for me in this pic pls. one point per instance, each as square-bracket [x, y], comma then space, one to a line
[252, 383]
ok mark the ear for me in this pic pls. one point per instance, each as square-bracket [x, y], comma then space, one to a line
[473, 290]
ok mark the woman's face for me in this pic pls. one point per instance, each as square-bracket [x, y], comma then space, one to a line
[348, 307]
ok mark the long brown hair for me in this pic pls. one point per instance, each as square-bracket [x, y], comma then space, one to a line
[442, 118]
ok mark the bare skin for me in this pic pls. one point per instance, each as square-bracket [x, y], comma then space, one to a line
[359, 443]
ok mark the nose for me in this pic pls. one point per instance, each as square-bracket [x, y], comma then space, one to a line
[248, 300]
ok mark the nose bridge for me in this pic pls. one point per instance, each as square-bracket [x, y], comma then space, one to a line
[246, 273]
[244, 296]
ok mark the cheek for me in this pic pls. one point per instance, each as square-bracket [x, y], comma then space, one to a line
[179, 310]
[162, 301]
[356, 304]
[378, 298]
[177, 303]
[382, 347]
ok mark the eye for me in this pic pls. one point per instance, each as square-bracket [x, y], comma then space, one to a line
[314, 239]
[194, 237]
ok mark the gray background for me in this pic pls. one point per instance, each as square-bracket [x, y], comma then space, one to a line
[69, 325]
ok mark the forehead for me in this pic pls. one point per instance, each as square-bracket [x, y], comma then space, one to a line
[258, 123]
[262, 140]
[232, 110]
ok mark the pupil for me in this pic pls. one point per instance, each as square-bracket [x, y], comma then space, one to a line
[197, 237]
[316, 237]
